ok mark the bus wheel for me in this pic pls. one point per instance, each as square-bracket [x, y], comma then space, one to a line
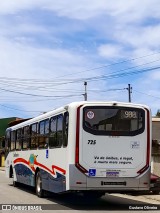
[39, 190]
[15, 183]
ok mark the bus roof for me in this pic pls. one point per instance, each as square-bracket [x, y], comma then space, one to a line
[73, 105]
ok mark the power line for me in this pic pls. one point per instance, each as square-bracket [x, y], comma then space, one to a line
[21, 83]
[108, 90]
[18, 109]
[116, 63]
[103, 66]
[122, 74]
[146, 94]
[21, 93]
[110, 76]
[38, 100]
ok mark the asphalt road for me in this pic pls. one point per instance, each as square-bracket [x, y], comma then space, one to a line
[23, 195]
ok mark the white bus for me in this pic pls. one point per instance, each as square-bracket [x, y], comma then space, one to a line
[88, 147]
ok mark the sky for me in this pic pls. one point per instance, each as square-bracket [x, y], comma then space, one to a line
[49, 48]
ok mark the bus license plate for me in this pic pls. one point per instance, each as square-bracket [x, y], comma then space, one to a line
[112, 174]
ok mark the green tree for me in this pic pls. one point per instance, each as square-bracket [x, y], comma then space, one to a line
[158, 113]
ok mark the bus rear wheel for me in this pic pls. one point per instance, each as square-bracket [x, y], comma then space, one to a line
[15, 183]
[39, 190]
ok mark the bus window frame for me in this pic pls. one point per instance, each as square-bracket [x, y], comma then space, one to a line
[65, 133]
[34, 136]
[13, 132]
[26, 137]
[114, 133]
[56, 118]
[44, 135]
[8, 139]
[19, 139]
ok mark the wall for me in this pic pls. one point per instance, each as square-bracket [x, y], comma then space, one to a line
[156, 164]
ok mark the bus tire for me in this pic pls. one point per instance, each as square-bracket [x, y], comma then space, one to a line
[39, 190]
[15, 183]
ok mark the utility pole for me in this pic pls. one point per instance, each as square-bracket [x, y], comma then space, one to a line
[129, 92]
[85, 94]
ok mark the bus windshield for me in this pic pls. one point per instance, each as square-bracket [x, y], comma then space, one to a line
[113, 120]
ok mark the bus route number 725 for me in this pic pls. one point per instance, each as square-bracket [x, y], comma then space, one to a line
[92, 142]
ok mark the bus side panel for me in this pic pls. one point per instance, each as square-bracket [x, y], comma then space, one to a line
[7, 170]
[49, 183]
[9, 167]
[45, 179]
[77, 180]
[57, 185]
[24, 175]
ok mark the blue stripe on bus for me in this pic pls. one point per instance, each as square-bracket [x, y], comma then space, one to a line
[25, 175]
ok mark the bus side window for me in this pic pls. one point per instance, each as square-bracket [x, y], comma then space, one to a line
[13, 140]
[43, 134]
[8, 141]
[65, 129]
[19, 139]
[56, 131]
[34, 136]
[59, 130]
[26, 137]
[46, 130]
[53, 136]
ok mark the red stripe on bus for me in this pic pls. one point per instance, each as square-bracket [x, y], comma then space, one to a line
[58, 168]
[148, 145]
[21, 160]
[77, 142]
